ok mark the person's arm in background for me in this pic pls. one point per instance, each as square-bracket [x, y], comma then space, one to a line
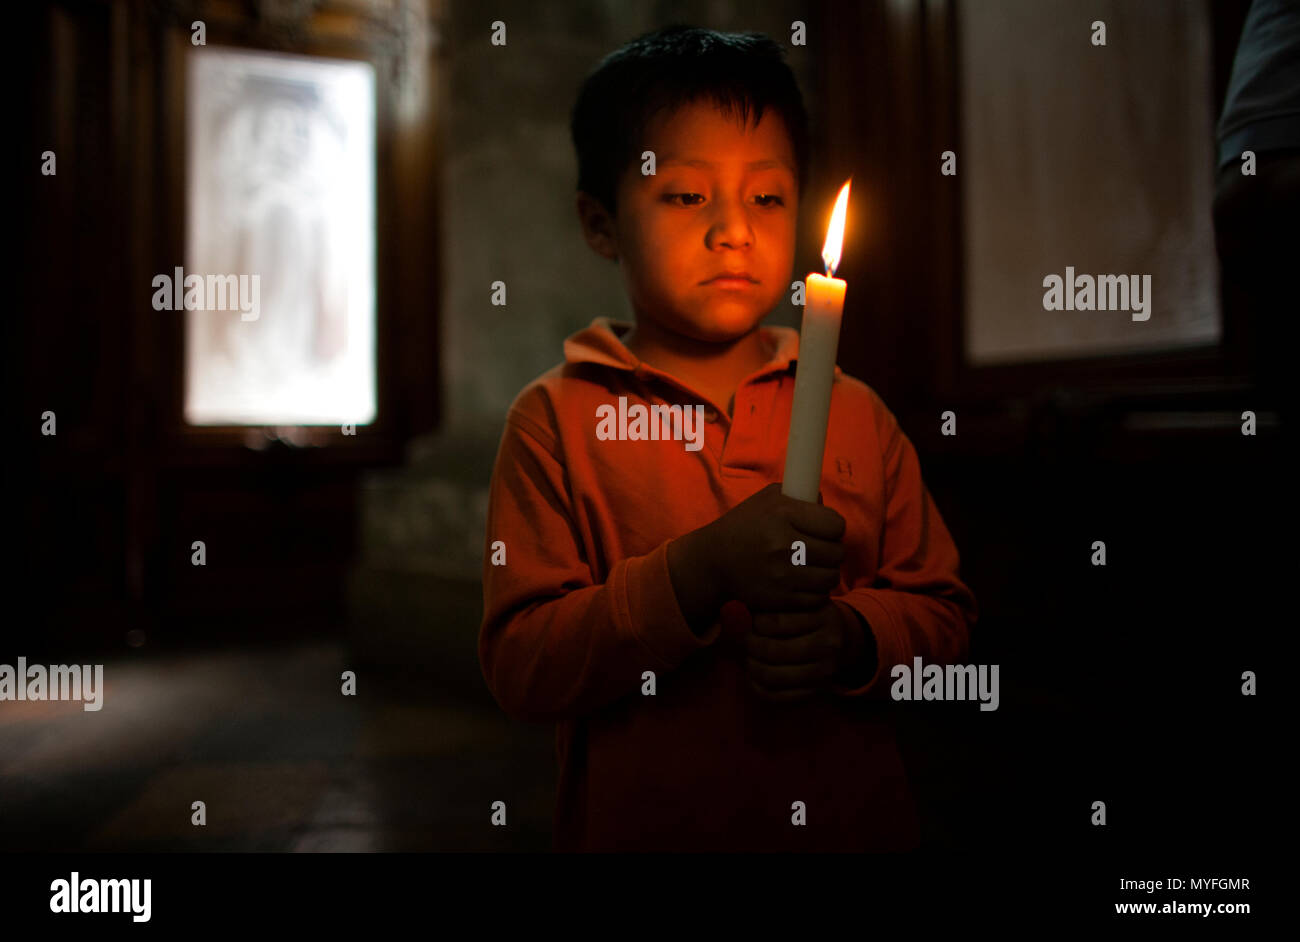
[1257, 196]
[917, 603]
[553, 644]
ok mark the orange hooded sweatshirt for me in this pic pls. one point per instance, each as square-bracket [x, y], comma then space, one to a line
[582, 611]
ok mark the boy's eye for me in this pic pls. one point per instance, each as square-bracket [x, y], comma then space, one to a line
[695, 199]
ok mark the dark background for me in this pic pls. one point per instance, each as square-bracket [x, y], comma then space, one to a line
[1119, 683]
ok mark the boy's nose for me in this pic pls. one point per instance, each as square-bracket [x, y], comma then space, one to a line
[731, 229]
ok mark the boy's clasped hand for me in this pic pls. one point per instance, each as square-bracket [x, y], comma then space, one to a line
[799, 638]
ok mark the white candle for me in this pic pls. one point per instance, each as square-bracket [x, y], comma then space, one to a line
[819, 339]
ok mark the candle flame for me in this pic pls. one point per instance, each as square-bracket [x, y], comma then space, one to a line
[835, 231]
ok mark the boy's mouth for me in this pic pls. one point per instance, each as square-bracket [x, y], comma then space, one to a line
[732, 279]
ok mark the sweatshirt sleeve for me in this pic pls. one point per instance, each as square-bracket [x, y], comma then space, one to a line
[916, 605]
[554, 644]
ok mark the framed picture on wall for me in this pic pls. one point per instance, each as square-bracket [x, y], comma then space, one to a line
[299, 147]
[280, 239]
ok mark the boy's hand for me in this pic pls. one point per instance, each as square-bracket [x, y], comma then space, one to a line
[791, 656]
[750, 548]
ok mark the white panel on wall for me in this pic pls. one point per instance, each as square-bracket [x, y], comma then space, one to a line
[280, 187]
[1099, 158]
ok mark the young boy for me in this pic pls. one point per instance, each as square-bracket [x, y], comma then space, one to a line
[709, 693]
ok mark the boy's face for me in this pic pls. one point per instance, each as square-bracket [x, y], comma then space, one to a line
[723, 200]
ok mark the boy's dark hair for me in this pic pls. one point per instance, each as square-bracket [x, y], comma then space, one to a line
[669, 68]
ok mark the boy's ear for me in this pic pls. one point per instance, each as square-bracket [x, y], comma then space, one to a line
[597, 226]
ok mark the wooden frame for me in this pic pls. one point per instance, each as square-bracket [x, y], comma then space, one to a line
[917, 359]
[406, 361]
[126, 475]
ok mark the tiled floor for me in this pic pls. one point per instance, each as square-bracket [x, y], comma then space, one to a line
[281, 759]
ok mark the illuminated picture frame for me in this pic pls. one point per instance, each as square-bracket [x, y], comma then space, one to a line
[278, 284]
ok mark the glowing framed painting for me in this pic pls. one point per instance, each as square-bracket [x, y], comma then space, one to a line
[278, 284]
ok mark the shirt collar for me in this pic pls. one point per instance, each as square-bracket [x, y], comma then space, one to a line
[599, 343]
